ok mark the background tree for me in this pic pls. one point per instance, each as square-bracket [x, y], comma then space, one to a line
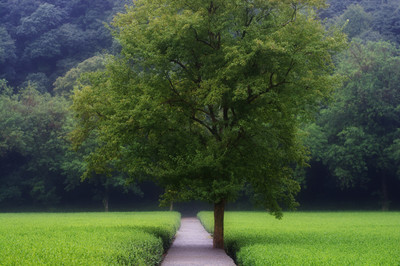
[355, 20]
[45, 17]
[51, 37]
[36, 164]
[207, 96]
[7, 46]
[7, 54]
[32, 141]
[386, 18]
[100, 187]
[65, 85]
[336, 8]
[357, 134]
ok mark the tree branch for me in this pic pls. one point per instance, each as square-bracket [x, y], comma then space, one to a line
[248, 21]
[212, 131]
[180, 64]
[293, 16]
[200, 40]
[173, 87]
[214, 120]
[271, 84]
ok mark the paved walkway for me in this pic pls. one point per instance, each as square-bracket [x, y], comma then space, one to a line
[193, 246]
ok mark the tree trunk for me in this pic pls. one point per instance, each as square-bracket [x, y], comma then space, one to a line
[171, 206]
[105, 200]
[219, 209]
[385, 194]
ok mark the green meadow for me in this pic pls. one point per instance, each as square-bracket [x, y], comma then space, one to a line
[252, 238]
[86, 238]
[311, 238]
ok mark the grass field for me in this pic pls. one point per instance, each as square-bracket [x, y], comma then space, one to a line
[311, 238]
[86, 238]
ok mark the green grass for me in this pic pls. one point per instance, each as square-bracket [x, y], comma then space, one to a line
[86, 238]
[311, 238]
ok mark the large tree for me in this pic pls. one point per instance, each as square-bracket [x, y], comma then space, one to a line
[207, 97]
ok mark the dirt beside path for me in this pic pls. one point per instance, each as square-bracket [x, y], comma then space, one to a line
[194, 246]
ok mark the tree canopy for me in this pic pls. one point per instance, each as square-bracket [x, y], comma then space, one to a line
[32, 144]
[49, 37]
[358, 132]
[207, 97]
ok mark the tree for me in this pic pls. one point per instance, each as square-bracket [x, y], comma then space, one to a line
[32, 144]
[100, 186]
[360, 130]
[386, 18]
[51, 37]
[46, 17]
[37, 80]
[7, 46]
[7, 53]
[65, 85]
[74, 165]
[207, 97]
[355, 21]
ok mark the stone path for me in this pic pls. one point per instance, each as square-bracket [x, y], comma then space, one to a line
[193, 246]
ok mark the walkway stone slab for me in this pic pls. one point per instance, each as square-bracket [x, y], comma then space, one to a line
[194, 246]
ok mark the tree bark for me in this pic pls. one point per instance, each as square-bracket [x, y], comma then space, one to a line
[105, 200]
[385, 194]
[219, 209]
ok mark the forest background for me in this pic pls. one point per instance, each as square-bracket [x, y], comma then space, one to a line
[45, 46]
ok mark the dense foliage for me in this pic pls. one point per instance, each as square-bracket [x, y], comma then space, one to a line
[383, 16]
[355, 137]
[86, 238]
[32, 144]
[311, 238]
[37, 165]
[41, 40]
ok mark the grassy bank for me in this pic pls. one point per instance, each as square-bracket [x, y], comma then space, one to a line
[311, 238]
[86, 238]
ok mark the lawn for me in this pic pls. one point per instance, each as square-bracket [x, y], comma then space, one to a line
[86, 238]
[311, 238]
